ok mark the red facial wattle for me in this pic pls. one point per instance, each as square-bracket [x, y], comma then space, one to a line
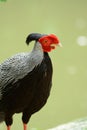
[48, 47]
[48, 42]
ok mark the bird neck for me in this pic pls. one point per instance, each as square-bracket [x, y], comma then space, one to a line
[37, 52]
[37, 47]
[45, 53]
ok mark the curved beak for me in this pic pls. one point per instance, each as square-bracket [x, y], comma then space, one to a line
[60, 45]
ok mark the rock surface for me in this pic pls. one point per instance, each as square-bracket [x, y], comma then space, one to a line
[80, 124]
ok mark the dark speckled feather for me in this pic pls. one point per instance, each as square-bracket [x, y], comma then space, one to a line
[25, 83]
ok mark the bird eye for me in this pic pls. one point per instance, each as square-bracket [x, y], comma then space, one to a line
[45, 41]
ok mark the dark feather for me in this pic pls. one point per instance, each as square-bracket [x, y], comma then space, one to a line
[34, 37]
[28, 95]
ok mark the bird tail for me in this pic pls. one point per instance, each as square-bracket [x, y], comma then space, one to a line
[2, 116]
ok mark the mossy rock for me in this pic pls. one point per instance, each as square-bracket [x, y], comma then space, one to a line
[80, 124]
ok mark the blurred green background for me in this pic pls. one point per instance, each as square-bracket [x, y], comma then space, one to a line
[68, 20]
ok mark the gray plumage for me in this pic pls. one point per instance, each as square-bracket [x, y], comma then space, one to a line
[19, 65]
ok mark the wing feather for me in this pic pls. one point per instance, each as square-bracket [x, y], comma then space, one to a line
[17, 67]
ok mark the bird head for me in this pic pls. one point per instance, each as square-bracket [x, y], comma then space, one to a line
[48, 42]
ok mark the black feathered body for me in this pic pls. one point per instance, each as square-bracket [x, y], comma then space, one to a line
[26, 94]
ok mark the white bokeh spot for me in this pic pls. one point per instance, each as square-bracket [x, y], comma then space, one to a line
[82, 40]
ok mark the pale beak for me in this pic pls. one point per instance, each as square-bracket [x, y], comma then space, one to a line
[60, 45]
